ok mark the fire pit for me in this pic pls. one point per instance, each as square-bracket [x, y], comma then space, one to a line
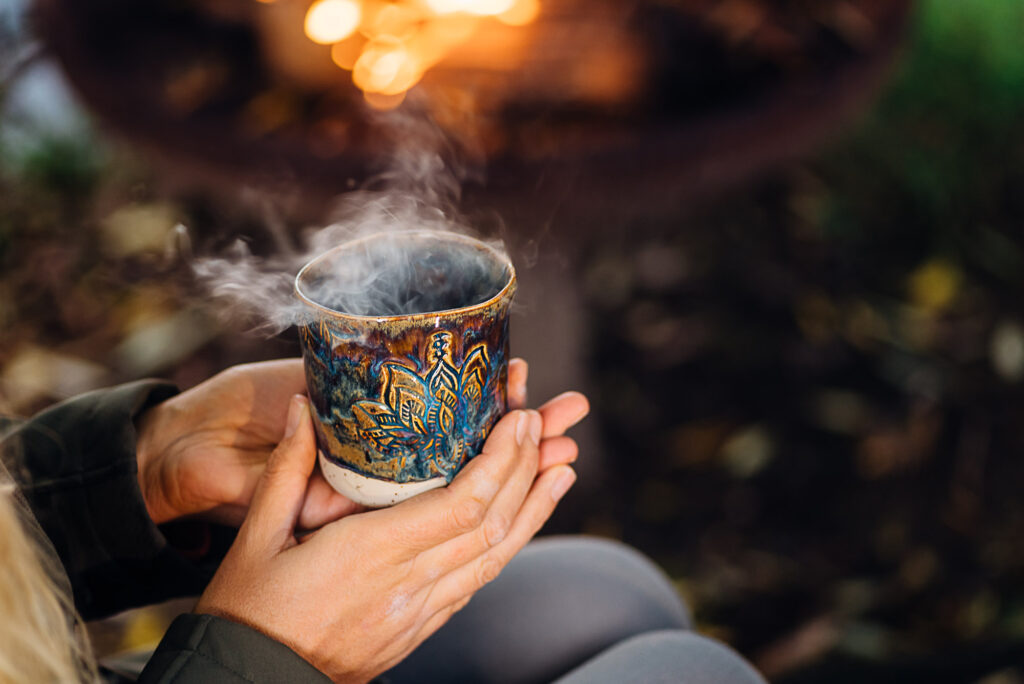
[611, 110]
[682, 95]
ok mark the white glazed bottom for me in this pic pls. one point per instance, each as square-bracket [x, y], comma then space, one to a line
[369, 491]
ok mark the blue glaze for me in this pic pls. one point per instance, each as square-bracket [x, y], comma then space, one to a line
[412, 419]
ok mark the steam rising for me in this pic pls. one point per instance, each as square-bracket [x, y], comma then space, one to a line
[397, 274]
[404, 273]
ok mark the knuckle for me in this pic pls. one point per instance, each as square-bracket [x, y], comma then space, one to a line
[487, 570]
[421, 570]
[468, 513]
[276, 465]
[234, 375]
[531, 457]
[495, 528]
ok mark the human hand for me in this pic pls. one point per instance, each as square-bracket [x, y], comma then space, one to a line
[358, 595]
[202, 452]
[559, 414]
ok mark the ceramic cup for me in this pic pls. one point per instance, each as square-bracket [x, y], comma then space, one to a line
[405, 389]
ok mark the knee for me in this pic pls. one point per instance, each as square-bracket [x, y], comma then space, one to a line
[559, 603]
[607, 571]
[667, 656]
[584, 549]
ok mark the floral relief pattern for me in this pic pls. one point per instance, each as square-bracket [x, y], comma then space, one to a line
[430, 421]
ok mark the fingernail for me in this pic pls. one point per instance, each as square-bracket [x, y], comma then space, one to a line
[562, 484]
[522, 427]
[295, 409]
[536, 425]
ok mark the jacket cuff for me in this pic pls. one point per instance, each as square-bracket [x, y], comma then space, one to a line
[204, 648]
[76, 465]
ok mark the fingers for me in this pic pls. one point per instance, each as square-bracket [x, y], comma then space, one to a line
[323, 505]
[460, 584]
[278, 498]
[518, 371]
[268, 387]
[557, 451]
[562, 412]
[282, 374]
[499, 517]
[510, 497]
[430, 519]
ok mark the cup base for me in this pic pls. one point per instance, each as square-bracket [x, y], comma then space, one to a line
[368, 491]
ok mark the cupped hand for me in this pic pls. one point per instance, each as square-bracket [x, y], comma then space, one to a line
[202, 452]
[358, 595]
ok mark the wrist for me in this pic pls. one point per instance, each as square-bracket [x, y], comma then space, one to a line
[150, 450]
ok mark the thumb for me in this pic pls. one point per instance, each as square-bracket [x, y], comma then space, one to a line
[278, 498]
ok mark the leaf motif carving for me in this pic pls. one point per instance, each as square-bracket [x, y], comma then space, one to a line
[426, 414]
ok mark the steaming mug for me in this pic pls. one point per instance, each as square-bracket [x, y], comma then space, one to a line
[407, 371]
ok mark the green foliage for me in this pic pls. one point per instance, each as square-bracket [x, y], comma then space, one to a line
[983, 38]
[46, 190]
[935, 167]
[66, 167]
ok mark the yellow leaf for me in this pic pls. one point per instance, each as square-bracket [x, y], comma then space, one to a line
[934, 284]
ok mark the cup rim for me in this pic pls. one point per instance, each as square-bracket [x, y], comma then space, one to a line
[453, 237]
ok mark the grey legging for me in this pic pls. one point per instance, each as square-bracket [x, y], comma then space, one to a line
[577, 610]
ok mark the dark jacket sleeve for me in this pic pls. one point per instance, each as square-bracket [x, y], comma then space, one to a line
[204, 648]
[75, 463]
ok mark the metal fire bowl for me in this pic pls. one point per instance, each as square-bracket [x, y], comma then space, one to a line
[652, 151]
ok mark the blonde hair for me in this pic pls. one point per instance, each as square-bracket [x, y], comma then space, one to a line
[42, 638]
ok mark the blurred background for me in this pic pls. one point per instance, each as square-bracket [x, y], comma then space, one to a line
[779, 243]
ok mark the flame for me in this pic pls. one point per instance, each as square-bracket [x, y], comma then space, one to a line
[389, 44]
[330, 21]
[346, 53]
[387, 67]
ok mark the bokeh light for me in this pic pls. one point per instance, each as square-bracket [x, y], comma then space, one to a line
[330, 21]
[389, 44]
[478, 7]
[387, 67]
[520, 13]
